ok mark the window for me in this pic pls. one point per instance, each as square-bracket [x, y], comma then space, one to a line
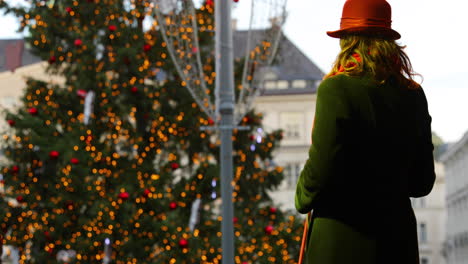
[293, 125]
[299, 84]
[317, 83]
[422, 232]
[418, 202]
[282, 85]
[292, 131]
[422, 202]
[270, 85]
[291, 174]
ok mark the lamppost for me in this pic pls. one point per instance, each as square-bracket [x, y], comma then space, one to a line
[225, 90]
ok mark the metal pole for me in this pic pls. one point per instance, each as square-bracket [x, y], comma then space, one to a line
[225, 104]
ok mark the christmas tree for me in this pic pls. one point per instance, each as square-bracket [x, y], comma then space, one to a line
[112, 165]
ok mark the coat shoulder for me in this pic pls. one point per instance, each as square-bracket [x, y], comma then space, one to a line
[343, 83]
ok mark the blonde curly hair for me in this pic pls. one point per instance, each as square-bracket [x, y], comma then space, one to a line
[380, 58]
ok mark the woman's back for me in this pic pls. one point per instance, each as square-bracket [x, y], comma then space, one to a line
[380, 154]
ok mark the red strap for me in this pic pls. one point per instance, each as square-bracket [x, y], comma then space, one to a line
[304, 240]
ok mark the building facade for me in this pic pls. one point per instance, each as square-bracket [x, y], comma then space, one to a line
[430, 214]
[456, 170]
[288, 103]
[294, 114]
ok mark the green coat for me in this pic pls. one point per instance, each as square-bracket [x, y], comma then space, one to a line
[371, 150]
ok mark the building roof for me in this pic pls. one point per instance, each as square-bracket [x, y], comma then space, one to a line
[15, 50]
[291, 62]
[455, 148]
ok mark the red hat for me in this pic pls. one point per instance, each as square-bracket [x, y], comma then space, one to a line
[366, 17]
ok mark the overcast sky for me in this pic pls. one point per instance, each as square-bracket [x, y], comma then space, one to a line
[433, 30]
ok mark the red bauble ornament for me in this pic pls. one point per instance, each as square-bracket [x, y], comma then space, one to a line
[20, 199]
[11, 122]
[69, 205]
[52, 60]
[124, 195]
[81, 93]
[194, 50]
[112, 28]
[68, 9]
[134, 89]
[172, 205]
[74, 161]
[147, 47]
[183, 243]
[273, 210]
[14, 169]
[210, 122]
[47, 235]
[235, 1]
[127, 60]
[78, 42]
[252, 137]
[146, 193]
[88, 139]
[174, 165]
[32, 111]
[54, 154]
[269, 229]
[210, 2]
[235, 220]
